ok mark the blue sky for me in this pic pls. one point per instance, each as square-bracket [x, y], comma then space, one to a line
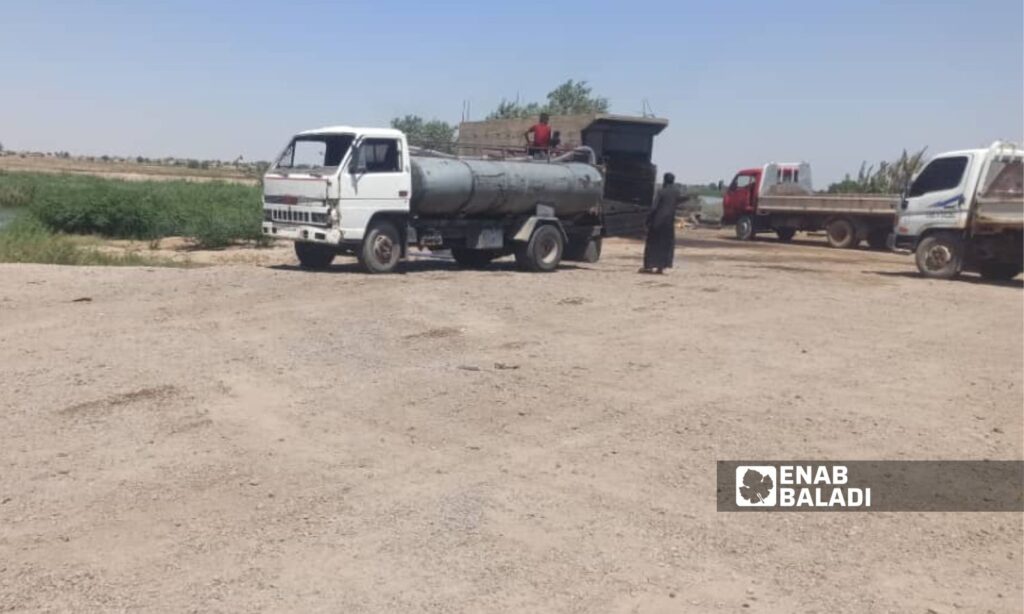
[743, 83]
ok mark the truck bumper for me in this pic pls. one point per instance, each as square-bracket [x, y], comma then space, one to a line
[299, 232]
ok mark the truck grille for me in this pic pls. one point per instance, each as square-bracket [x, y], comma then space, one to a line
[294, 216]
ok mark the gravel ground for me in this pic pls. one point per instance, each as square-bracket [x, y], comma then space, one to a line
[253, 437]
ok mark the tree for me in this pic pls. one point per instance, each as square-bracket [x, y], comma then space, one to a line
[434, 134]
[888, 178]
[573, 97]
[569, 98]
[508, 109]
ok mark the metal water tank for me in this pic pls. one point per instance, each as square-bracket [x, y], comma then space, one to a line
[450, 187]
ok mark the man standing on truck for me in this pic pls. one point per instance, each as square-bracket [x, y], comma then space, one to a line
[660, 247]
[540, 143]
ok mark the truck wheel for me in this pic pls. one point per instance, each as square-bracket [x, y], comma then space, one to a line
[785, 234]
[999, 270]
[745, 228]
[381, 248]
[542, 252]
[878, 238]
[939, 256]
[314, 255]
[841, 234]
[473, 258]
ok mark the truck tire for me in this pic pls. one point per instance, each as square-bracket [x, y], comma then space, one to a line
[940, 256]
[841, 234]
[878, 238]
[785, 234]
[999, 270]
[474, 258]
[314, 256]
[745, 228]
[543, 252]
[381, 249]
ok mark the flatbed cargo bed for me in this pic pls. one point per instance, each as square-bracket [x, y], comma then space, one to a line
[861, 204]
[999, 213]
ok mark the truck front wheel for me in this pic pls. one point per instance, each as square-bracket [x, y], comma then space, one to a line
[745, 228]
[841, 234]
[939, 256]
[314, 255]
[381, 248]
[543, 252]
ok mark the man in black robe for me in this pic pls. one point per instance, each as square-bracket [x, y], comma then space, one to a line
[661, 227]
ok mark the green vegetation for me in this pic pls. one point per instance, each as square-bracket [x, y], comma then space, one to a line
[569, 98]
[434, 134]
[26, 239]
[52, 207]
[212, 214]
[888, 178]
[16, 190]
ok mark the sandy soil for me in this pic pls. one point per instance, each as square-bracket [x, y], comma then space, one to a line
[246, 437]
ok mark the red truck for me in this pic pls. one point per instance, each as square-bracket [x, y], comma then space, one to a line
[778, 198]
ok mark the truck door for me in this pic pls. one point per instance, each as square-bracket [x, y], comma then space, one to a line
[377, 179]
[739, 199]
[938, 190]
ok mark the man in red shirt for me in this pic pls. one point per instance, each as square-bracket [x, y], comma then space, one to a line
[540, 143]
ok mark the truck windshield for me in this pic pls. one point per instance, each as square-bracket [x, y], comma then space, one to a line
[315, 152]
[940, 174]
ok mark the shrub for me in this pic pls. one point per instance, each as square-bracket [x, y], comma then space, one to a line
[214, 214]
[16, 190]
[27, 239]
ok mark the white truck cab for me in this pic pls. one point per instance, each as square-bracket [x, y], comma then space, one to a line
[965, 211]
[317, 171]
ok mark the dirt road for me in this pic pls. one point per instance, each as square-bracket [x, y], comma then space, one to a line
[251, 438]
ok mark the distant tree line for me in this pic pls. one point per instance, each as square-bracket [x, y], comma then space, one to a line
[887, 178]
[569, 98]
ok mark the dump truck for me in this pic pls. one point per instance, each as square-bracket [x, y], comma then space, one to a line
[366, 192]
[779, 198]
[964, 211]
